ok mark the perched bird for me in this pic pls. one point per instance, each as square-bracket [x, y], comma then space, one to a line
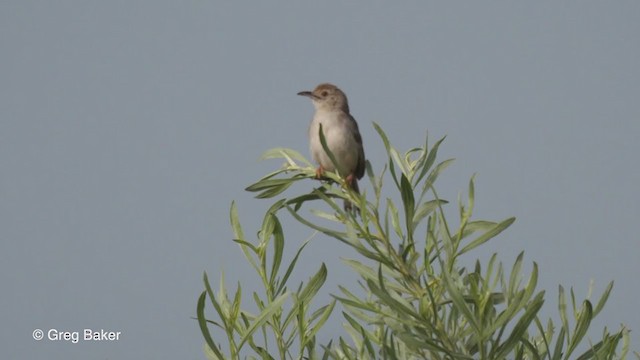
[341, 134]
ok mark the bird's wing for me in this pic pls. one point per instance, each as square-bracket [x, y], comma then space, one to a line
[361, 159]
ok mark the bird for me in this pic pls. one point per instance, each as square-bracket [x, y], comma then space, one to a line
[341, 133]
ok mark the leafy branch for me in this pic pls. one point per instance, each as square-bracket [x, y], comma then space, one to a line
[416, 300]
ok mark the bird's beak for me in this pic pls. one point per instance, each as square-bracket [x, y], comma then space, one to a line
[308, 94]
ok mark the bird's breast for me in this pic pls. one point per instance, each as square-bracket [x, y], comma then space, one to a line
[340, 140]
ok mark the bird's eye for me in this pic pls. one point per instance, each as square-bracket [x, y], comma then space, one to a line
[324, 93]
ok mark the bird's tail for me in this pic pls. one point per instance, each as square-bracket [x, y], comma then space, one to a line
[348, 206]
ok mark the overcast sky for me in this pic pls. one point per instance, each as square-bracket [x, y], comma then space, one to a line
[127, 128]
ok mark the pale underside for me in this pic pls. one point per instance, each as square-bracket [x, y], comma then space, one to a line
[338, 129]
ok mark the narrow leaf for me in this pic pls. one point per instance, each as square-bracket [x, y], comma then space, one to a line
[274, 306]
[603, 299]
[203, 325]
[429, 159]
[314, 284]
[582, 325]
[408, 202]
[488, 235]
[290, 268]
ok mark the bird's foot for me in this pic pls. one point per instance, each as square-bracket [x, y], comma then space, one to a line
[319, 172]
[349, 180]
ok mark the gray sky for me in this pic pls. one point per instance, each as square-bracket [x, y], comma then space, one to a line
[127, 128]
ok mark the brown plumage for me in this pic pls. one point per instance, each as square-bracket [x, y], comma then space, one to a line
[341, 132]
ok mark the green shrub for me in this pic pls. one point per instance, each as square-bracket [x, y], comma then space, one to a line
[419, 302]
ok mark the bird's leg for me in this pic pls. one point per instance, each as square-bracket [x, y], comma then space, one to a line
[350, 179]
[351, 182]
[319, 172]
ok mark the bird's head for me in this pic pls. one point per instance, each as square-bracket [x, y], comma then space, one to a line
[327, 97]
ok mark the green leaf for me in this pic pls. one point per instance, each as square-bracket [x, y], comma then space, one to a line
[235, 305]
[531, 285]
[423, 343]
[431, 179]
[246, 244]
[429, 159]
[324, 215]
[533, 351]
[546, 336]
[472, 196]
[355, 301]
[299, 200]
[335, 234]
[270, 309]
[270, 176]
[395, 218]
[203, 326]
[390, 298]
[562, 308]
[383, 136]
[425, 209]
[603, 299]
[392, 171]
[278, 249]
[239, 237]
[323, 315]
[519, 299]
[393, 154]
[235, 223]
[582, 325]
[557, 351]
[323, 142]
[458, 300]
[473, 226]
[514, 278]
[607, 346]
[493, 232]
[290, 269]
[389, 150]
[363, 270]
[273, 187]
[408, 202]
[269, 183]
[214, 302]
[327, 199]
[314, 284]
[521, 326]
[288, 154]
